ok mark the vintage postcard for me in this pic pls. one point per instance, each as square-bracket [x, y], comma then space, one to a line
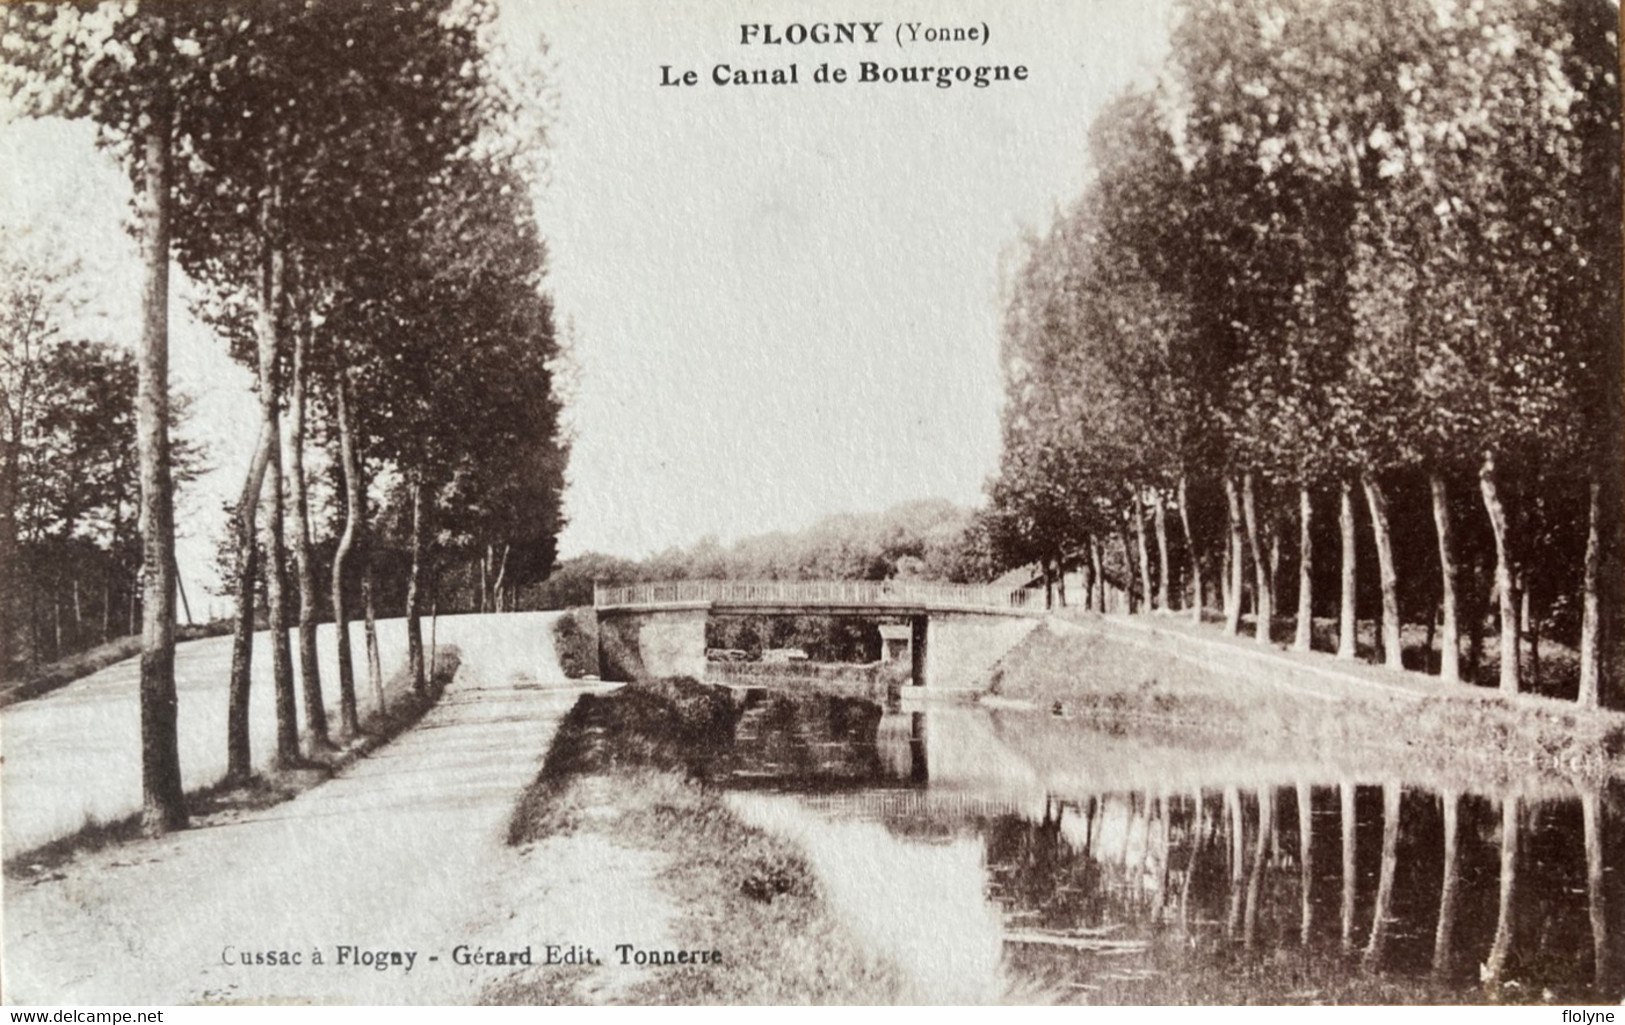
[543, 502]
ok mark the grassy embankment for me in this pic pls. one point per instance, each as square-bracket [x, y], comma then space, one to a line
[1231, 977]
[80, 664]
[1552, 669]
[225, 800]
[1171, 680]
[632, 765]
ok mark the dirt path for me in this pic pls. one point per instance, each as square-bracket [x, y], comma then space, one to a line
[405, 852]
[51, 788]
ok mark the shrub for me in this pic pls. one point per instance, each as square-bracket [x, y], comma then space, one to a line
[575, 640]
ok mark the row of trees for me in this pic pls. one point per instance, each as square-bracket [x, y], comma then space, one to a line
[1341, 257]
[349, 184]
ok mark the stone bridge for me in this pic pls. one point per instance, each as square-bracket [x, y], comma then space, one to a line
[958, 632]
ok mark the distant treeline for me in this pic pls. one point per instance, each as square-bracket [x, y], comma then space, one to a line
[69, 489]
[932, 539]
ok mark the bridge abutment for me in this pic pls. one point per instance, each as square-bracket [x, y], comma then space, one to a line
[651, 642]
[960, 650]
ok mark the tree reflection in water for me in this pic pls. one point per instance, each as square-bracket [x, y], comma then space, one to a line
[1217, 891]
[1444, 927]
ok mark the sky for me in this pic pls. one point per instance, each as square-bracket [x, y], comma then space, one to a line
[782, 301]
[785, 299]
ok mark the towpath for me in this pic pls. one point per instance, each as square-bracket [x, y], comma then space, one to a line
[403, 853]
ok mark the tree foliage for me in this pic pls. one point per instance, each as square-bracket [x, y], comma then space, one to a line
[352, 192]
[1342, 247]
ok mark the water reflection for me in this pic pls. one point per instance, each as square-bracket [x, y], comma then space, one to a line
[990, 867]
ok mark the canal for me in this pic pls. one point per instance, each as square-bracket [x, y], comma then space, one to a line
[1012, 853]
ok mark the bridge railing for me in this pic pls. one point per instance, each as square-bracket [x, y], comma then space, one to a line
[817, 592]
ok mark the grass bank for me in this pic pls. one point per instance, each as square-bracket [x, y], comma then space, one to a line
[631, 766]
[80, 664]
[1233, 978]
[1161, 678]
[223, 801]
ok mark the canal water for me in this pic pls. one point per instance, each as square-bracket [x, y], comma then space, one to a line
[1014, 855]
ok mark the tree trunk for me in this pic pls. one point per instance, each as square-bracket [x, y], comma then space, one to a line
[1266, 829]
[30, 614]
[1496, 962]
[1232, 602]
[1592, 814]
[1261, 572]
[1098, 560]
[1274, 536]
[239, 750]
[1158, 867]
[1392, 649]
[1128, 567]
[1450, 632]
[434, 631]
[1306, 863]
[1275, 836]
[1534, 636]
[355, 512]
[1190, 545]
[1382, 914]
[180, 589]
[287, 726]
[1135, 815]
[502, 577]
[1347, 620]
[10, 568]
[375, 669]
[1141, 551]
[485, 586]
[1088, 826]
[1444, 932]
[310, 674]
[1086, 571]
[1304, 638]
[1060, 576]
[163, 799]
[1506, 592]
[1590, 616]
[1238, 860]
[1197, 842]
[1049, 585]
[239, 764]
[1159, 520]
[414, 598]
[1428, 639]
[1345, 794]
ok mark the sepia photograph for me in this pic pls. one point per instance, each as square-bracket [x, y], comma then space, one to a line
[517, 502]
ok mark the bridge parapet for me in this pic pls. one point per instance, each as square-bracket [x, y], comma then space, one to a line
[812, 594]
